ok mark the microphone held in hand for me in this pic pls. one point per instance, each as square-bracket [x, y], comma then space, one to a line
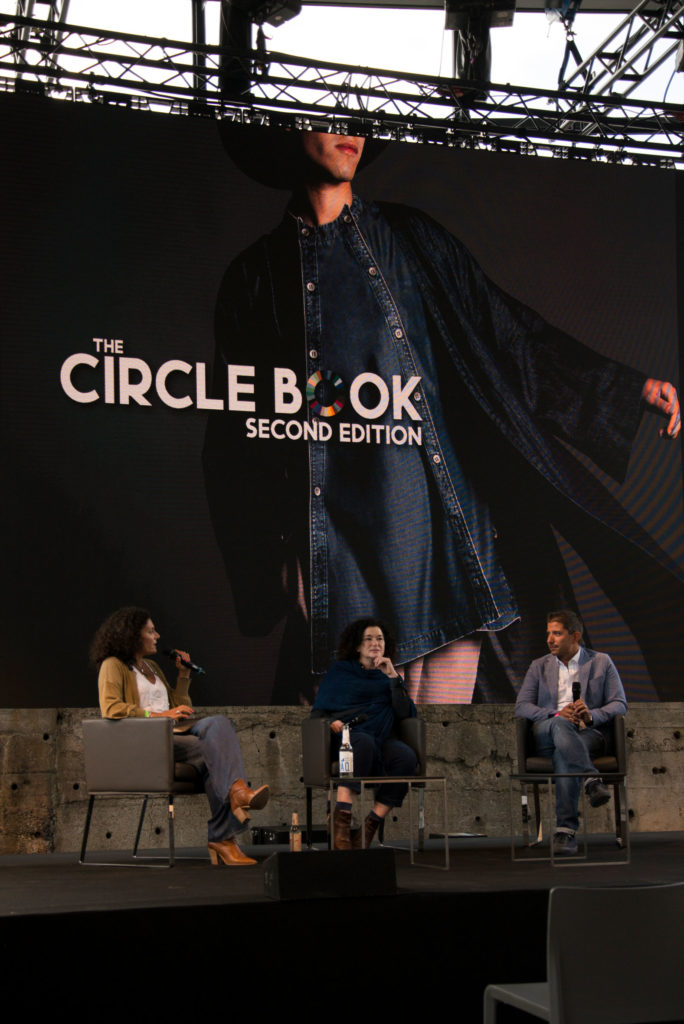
[357, 720]
[188, 664]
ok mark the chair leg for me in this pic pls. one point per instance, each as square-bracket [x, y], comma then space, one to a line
[622, 823]
[309, 817]
[524, 814]
[490, 1007]
[172, 850]
[135, 862]
[328, 818]
[140, 825]
[86, 830]
[421, 820]
[537, 814]
[619, 834]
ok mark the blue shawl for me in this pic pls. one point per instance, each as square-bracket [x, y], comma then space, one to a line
[347, 689]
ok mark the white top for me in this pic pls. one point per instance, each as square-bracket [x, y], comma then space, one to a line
[153, 696]
[566, 677]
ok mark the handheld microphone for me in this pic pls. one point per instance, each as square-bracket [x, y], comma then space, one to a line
[576, 690]
[357, 720]
[188, 664]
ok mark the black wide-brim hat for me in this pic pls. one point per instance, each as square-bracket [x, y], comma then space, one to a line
[275, 157]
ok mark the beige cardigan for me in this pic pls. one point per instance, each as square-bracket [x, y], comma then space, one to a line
[119, 696]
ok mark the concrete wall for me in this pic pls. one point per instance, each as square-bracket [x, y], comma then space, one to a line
[43, 795]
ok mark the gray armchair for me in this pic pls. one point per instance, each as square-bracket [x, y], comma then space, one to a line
[134, 757]
[612, 768]
[318, 766]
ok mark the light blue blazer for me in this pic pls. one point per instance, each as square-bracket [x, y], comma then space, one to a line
[601, 688]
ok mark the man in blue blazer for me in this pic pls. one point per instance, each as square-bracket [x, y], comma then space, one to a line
[571, 732]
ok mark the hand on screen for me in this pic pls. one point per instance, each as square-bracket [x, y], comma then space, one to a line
[661, 397]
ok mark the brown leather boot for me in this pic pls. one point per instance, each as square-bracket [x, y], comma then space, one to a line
[370, 826]
[228, 852]
[341, 829]
[243, 799]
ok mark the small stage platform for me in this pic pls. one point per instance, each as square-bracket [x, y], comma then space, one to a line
[211, 938]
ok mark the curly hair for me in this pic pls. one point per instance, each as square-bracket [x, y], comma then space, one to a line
[119, 636]
[352, 636]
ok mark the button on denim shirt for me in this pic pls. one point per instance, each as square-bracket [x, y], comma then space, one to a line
[398, 530]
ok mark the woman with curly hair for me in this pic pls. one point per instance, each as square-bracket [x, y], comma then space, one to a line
[364, 681]
[131, 685]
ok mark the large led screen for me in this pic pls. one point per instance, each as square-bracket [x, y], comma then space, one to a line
[236, 451]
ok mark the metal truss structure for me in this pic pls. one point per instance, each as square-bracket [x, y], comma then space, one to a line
[641, 44]
[65, 61]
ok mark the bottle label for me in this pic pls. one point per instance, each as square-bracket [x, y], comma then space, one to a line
[346, 762]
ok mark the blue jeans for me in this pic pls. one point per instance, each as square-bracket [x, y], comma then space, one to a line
[571, 750]
[211, 746]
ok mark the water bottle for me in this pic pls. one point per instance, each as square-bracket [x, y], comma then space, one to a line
[346, 754]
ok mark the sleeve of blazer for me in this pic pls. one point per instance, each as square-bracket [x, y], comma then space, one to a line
[526, 705]
[613, 694]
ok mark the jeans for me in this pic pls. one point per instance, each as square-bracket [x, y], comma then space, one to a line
[397, 759]
[571, 750]
[211, 746]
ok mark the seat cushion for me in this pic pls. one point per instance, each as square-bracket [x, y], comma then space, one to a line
[545, 765]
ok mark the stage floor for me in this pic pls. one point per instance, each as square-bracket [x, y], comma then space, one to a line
[57, 883]
[201, 939]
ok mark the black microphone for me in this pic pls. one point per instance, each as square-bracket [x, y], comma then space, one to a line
[357, 720]
[576, 690]
[188, 664]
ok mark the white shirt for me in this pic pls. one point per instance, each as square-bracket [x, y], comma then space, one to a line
[152, 696]
[566, 677]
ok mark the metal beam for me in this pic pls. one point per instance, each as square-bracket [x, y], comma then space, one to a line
[55, 13]
[94, 66]
[637, 47]
[524, 6]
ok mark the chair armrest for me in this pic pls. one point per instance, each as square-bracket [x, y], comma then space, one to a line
[316, 747]
[316, 752]
[522, 732]
[619, 743]
[129, 755]
[413, 732]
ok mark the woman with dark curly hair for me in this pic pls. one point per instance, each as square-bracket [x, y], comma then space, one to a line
[133, 686]
[364, 681]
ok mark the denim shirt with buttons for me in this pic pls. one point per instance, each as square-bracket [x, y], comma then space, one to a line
[399, 530]
[395, 529]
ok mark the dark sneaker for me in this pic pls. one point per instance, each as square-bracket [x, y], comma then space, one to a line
[564, 844]
[598, 793]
